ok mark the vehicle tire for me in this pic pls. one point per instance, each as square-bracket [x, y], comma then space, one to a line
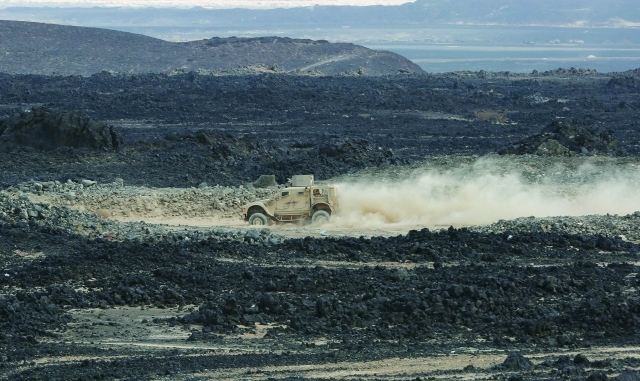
[320, 217]
[258, 219]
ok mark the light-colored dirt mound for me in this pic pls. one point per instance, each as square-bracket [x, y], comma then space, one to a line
[121, 202]
[529, 194]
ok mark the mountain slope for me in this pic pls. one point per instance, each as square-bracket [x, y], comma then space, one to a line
[48, 48]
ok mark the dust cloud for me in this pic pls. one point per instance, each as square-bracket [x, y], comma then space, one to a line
[484, 194]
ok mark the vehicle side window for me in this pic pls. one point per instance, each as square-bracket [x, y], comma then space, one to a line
[284, 194]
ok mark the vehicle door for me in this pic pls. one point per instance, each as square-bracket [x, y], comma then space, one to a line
[283, 202]
[301, 200]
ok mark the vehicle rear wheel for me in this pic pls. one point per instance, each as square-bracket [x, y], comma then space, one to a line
[258, 219]
[320, 217]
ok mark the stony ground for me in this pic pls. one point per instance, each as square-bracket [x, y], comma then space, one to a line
[130, 282]
[150, 273]
[185, 129]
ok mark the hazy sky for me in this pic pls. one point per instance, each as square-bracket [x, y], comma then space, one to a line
[193, 3]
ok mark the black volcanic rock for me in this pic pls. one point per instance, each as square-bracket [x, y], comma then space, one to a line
[363, 303]
[247, 158]
[516, 361]
[624, 82]
[565, 139]
[48, 48]
[45, 130]
[628, 375]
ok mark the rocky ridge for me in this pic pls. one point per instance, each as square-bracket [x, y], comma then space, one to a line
[70, 50]
[40, 129]
[562, 138]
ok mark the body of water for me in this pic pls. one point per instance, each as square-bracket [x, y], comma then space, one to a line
[517, 49]
[446, 48]
[515, 58]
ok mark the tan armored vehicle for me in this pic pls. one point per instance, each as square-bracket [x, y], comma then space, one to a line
[299, 201]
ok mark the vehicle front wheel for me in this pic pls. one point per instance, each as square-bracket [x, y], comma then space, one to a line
[258, 219]
[320, 217]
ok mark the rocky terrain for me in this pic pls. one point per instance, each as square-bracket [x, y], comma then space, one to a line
[41, 130]
[563, 139]
[557, 290]
[70, 50]
[88, 296]
[237, 127]
[124, 254]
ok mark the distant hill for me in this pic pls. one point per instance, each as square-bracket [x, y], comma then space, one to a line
[37, 48]
[504, 12]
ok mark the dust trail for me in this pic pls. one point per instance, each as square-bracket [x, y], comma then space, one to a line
[482, 195]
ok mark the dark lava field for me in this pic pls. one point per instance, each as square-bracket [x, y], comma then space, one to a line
[451, 303]
[186, 128]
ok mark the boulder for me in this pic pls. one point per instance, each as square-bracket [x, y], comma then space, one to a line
[516, 361]
[45, 130]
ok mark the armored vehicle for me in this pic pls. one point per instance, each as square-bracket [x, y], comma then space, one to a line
[300, 200]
